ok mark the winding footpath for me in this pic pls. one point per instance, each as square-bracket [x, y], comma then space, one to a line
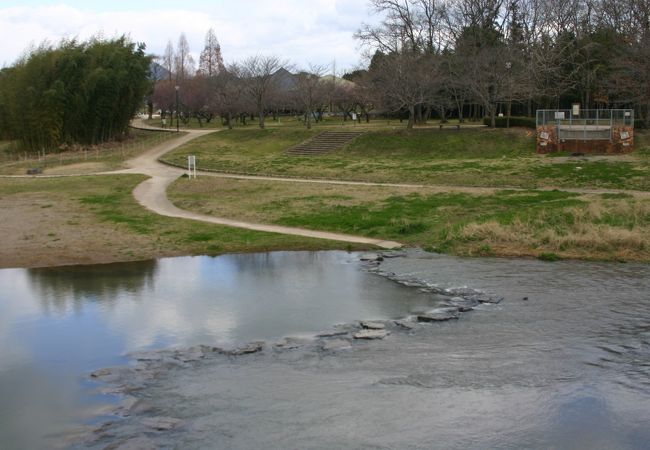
[152, 194]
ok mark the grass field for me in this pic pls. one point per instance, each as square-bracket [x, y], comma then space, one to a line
[91, 220]
[486, 222]
[469, 157]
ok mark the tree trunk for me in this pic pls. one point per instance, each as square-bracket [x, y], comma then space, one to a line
[493, 115]
[508, 113]
[261, 118]
[308, 121]
[418, 113]
[229, 119]
[409, 125]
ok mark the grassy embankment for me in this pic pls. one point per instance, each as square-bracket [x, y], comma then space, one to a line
[472, 157]
[495, 221]
[95, 219]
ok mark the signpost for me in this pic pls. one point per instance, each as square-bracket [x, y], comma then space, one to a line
[191, 167]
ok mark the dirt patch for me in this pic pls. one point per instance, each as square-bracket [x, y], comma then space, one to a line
[40, 229]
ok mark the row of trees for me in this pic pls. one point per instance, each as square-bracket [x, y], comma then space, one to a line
[446, 55]
[77, 92]
[255, 86]
[441, 57]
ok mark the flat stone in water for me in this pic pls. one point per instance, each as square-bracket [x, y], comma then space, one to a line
[439, 315]
[370, 334]
[372, 325]
[333, 333]
[253, 347]
[371, 257]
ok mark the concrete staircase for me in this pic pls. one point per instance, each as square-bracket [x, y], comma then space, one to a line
[324, 142]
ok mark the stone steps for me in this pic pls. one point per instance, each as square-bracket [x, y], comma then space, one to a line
[324, 142]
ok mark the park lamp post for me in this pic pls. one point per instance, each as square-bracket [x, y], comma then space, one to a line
[177, 125]
[508, 87]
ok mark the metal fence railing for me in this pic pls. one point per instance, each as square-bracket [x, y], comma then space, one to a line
[585, 124]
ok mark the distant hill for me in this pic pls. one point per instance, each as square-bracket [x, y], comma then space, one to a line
[157, 72]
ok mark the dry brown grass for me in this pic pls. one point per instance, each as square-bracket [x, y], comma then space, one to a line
[586, 237]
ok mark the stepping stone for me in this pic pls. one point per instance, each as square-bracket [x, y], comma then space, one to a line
[370, 334]
[372, 325]
[439, 315]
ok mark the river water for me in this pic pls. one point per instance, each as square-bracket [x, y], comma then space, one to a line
[566, 367]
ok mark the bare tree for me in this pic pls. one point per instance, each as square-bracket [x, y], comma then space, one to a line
[183, 61]
[310, 91]
[403, 79]
[211, 61]
[257, 72]
[168, 60]
[408, 25]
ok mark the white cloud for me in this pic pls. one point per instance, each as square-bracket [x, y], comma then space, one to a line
[317, 32]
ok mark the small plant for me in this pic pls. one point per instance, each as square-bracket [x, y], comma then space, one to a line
[485, 250]
[550, 257]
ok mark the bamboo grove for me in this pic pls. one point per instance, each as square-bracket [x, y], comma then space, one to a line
[76, 92]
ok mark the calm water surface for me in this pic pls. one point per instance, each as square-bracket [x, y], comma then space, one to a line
[58, 324]
[567, 368]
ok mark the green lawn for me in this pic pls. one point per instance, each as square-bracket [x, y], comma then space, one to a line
[469, 157]
[497, 222]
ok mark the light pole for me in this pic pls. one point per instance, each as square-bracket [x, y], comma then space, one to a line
[508, 68]
[177, 125]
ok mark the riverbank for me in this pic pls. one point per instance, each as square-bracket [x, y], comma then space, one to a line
[81, 220]
[92, 220]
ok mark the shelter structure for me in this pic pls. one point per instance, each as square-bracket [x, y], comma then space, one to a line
[585, 130]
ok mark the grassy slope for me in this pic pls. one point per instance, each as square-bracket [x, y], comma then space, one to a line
[504, 223]
[472, 157]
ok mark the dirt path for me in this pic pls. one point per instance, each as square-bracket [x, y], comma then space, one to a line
[152, 194]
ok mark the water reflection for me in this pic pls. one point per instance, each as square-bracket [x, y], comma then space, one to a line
[57, 324]
[60, 289]
[574, 356]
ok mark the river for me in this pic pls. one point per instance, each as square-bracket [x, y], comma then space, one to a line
[563, 361]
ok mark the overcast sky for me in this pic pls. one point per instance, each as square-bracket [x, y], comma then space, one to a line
[302, 31]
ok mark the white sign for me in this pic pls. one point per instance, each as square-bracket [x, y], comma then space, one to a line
[191, 167]
[625, 135]
[544, 135]
[576, 109]
[559, 115]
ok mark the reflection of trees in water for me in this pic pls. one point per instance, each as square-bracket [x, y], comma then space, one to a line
[59, 288]
[272, 262]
